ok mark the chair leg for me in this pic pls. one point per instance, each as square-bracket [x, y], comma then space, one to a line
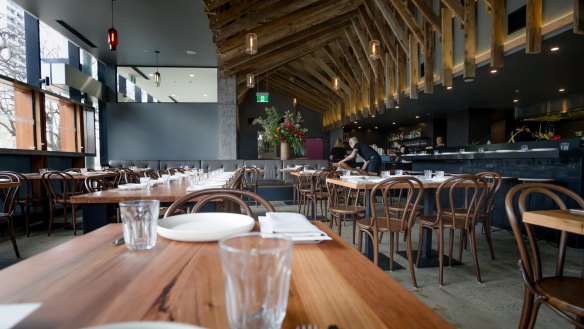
[408, 237]
[527, 308]
[534, 313]
[339, 224]
[421, 236]
[51, 211]
[487, 229]
[391, 237]
[354, 228]
[441, 255]
[462, 243]
[375, 248]
[12, 237]
[360, 241]
[450, 246]
[24, 210]
[475, 257]
[74, 219]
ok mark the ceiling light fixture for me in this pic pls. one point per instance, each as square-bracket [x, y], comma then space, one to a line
[294, 101]
[493, 71]
[157, 74]
[393, 123]
[417, 116]
[374, 49]
[336, 82]
[191, 75]
[449, 88]
[251, 39]
[561, 90]
[515, 100]
[250, 80]
[112, 34]
[397, 106]
[555, 48]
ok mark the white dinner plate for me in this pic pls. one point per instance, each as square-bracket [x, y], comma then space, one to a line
[353, 177]
[206, 226]
[131, 186]
[545, 149]
[146, 325]
[446, 153]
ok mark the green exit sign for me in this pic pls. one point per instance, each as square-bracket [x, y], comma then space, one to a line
[263, 97]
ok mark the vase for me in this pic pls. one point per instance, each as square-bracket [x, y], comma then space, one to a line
[284, 151]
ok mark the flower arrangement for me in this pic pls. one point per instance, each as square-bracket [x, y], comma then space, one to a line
[289, 131]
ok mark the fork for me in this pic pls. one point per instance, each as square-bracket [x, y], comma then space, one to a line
[307, 326]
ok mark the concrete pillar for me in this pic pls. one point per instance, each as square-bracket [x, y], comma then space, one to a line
[227, 112]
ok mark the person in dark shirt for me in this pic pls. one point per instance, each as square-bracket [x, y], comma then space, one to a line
[371, 159]
[338, 152]
[399, 150]
[439, 143]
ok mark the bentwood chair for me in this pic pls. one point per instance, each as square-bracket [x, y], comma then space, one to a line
[250, 179]
[493, 181]
[60, 187]
[453, 214]
[341, 207]
[102, 183]
[25, 199]
[400, 197]
[318, 194]
[8, 197]
[562, 294]
[204, 197]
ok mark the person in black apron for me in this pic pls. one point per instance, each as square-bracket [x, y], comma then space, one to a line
[371, 159]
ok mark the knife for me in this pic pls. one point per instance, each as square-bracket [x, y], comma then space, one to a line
[118, 241]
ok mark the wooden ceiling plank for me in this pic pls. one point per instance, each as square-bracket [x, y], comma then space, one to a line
[447, 47]
[302, 98]
[389, 84]
[533, 27]
[470, 40]
[426, 9]
[329, 72]
[394, 24]
[579, 16]
[365, 44]
[213, 5]
[497, 33]
[358, 53]
[297, 21]
[301, 93]
[263, 16]
[366, 22]
[456, 8]
[339, 65]
[315, 73]
[297, 70]
[429, 50]
[489, 6]
[307, 86]
[232, 59]
[401, 76]
[343, 48]
[410, 20]
[414, 63]
[386, 37]
[237, 13]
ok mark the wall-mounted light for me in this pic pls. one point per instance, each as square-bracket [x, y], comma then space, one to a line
[112, 34]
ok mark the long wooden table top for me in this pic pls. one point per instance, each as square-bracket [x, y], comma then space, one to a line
[367, 185]
[87, 281]
[8, 184]
[562, 220]
[35, 176]
[165, 193]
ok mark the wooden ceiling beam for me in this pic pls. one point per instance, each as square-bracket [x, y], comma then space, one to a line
[296, 70]
[456, 8]
[533, 27]
[579, 16]
[237, 13]
[358, 54]
[366, 22]
[426, 9]
[323, 66]
[341, 47]
[410, 20]
[386, 37]
[497, 33]
[414, 63]
[394, 24]
[261, 16]
[305, 62]
[212, 5]
[231, 60]
[447, 47]
[363, 40]
[340, 65]
[297, 21]
[307, 85]
[301, 97]
[470, 40]
[300, 93]
[429, 50]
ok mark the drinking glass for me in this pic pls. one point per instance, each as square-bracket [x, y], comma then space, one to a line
[524, 147]
[427, 174]
[481, 150]
[461, 150]
[564, 146]
[306, 167]
[165, 179]
[385, 174]
[83, 171]
[145, 182]
[439, 174]
[139, 220]
[256, 272]
[399, 172]
[43, 170]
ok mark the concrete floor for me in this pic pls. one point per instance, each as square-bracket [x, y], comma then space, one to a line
[495, 303]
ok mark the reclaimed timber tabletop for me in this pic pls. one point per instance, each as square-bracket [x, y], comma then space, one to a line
[87, 281]
[563, 220]
[163, 192]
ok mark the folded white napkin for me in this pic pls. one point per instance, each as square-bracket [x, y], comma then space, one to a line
[203, 187]
[290, 222]
[12, 314]
[313, 235]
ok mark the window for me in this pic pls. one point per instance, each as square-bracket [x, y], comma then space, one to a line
[88, 63]
[60, 125]
[16, 118]
[54, 49]
[12, 41]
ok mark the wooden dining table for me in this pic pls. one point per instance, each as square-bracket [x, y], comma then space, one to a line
[428, 258]
[562, 220]
[88, 281]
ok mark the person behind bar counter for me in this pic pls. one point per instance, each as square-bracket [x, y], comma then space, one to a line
[371, 159]
[521, 134]
[338, 152]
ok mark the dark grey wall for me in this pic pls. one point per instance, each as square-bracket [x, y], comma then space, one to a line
[457, 123]
[166, 131]
[247, 135]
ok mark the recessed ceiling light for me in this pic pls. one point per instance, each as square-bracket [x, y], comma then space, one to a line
[376, 127]
[173, 95]
[417, 116]
[191, 52]
[397, 106]
[355, 121]
[555, 48]
[449, 87]
[191, 75]
[204, 95]
[359, 127]
[515, 100]
[150, 74]
[561, 90]
[146, 51]
[493, 71]
[373, 116]
[393, 123]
